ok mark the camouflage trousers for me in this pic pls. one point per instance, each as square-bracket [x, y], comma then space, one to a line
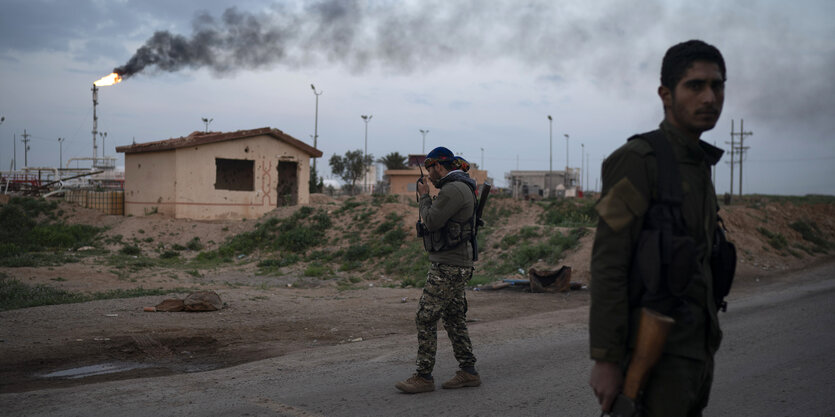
[443, 298]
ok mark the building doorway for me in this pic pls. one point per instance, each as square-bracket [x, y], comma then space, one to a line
[288, 184]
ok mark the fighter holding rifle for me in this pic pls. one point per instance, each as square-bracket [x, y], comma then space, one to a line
[653, 315]
[448, 225]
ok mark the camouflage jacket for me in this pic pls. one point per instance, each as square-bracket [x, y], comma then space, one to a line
[629, 184]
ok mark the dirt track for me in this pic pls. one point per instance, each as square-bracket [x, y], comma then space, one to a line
[265, 317]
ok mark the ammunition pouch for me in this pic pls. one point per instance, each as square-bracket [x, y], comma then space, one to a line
[448, 237]
[722, 265]
[663, 264]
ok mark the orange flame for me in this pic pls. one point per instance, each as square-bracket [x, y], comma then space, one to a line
[108, 80]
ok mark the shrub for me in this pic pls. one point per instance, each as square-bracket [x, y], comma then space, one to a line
[130, 250]
[194, 244]
[569, 213]
[317, 270]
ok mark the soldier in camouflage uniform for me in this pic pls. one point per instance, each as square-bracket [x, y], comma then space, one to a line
[692, 92]
[448, 223]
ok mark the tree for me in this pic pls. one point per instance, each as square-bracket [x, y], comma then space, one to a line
[351, 167]
[316, 184]
[393, 161]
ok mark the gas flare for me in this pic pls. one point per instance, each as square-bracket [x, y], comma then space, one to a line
[111, 79]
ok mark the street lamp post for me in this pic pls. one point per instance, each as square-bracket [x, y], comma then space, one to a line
[366, 119]
[582, 165]
[423, 148]
[550, 151]
[2, 119]
[567, 180]
[482, 159]
[206, 121]
[103, 137]
[60, 152]
[316, 123]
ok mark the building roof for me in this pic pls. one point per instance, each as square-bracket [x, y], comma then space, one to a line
[409, 171]
[416, 159]
[203, 138]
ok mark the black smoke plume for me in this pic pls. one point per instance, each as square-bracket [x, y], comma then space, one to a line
[616, 47]
[358, 34]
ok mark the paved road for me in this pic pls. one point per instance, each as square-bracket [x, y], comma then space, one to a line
[776, 361]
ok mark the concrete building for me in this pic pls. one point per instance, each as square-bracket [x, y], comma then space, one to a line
[217, 175]
[544, 184]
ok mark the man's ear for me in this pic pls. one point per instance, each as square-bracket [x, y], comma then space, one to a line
[666, 96]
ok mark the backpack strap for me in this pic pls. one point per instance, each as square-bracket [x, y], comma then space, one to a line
[669, 179]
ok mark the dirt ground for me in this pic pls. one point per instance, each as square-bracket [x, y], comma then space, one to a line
[267, 316]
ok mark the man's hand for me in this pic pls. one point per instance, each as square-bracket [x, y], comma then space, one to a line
[607, 382]
[423, 187]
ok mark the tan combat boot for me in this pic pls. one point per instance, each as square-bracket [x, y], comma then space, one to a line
[463, 379]
[416, 384]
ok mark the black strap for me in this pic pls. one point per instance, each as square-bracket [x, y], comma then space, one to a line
[669, 178]
[665, 210]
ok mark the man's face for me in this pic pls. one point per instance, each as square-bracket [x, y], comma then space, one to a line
[436, 172]
[696, 103]
[434, 175]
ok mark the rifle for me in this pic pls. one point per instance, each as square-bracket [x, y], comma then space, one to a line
[652, 335]
[478, 222]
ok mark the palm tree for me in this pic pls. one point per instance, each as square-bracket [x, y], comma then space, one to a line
[393, 161]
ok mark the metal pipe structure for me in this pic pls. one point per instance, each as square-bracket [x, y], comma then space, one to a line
[95, 122]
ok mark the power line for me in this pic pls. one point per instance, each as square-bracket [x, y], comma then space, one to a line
[821, 158]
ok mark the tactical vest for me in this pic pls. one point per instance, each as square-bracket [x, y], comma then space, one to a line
[453, 233]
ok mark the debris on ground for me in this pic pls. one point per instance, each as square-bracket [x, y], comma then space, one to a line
[544, 279]
[196, 301]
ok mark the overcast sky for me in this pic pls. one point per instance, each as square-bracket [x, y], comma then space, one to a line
[481, 76]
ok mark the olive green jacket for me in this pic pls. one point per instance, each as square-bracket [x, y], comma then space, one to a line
[629, 183]
[455, 201]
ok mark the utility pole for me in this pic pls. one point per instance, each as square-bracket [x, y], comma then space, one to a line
[316, 123]
[482, 159]
[423, 148]
[731, 192]
[60, 152]
[737, 149]
[742, 149]
[25, 141]
[713, 170]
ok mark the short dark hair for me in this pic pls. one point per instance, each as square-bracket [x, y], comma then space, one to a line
[681, 56]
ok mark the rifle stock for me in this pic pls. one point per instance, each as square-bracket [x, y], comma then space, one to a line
[653, 329]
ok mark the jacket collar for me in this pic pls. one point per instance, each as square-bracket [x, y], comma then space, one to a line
[688, 151]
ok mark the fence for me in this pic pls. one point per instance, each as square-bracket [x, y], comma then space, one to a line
[108, 202]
